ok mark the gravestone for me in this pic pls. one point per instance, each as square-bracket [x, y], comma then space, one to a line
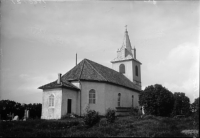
[16, 118]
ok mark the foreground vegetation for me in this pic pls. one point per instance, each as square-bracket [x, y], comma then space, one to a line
[148, 126]
[162, 119]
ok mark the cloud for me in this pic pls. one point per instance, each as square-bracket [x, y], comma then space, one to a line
[45, 40]
[33, 81]
[25, 86]
[178, 71]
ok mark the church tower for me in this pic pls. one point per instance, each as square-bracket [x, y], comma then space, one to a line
[127, 63]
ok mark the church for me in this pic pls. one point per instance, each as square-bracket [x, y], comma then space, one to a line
[90, 85]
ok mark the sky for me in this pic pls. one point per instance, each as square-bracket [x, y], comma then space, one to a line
[40, 39]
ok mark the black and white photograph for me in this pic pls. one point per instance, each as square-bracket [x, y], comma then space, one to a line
[99, 68]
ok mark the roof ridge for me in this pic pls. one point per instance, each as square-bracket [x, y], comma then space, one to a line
[81, 70]
[54, 84]
[104, 66]
[96, 70]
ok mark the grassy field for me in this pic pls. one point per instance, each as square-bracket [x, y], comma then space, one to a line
[149, 126]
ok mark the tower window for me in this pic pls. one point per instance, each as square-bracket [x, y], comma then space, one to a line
[92, 97]
[122, 68]
[119, 98]
[136, 70]
[51, 100]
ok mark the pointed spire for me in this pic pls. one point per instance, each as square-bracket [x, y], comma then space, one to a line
[126, 51]
[126, 42]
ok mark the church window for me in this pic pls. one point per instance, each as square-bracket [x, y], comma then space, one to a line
[92, 96]
[136, 70]
[122, 68]
[119, 98]
[132, 101]
[51, 100]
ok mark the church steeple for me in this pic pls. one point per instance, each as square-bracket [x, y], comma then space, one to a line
[127, 43]
[126, 62]
[126, 51]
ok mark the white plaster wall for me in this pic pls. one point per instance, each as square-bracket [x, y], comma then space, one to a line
[51, 112]
[137, 78]
[111, 97]
[107, 96]
[69, 94]
[128, 68]
[100, 96]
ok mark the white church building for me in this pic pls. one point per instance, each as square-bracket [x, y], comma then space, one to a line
[94, 86]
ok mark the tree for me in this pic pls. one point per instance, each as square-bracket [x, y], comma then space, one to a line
[195, 105]
[181, 104]
[157, 100]
[195, 108]
[8, 107]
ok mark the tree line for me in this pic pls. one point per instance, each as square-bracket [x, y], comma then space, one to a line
[10, 108]
[158, 100]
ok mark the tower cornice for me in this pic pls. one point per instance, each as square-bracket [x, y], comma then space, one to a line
[121, 60]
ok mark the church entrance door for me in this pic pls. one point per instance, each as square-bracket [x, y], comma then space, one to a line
[69, 106]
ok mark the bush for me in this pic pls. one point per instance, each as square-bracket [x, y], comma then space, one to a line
[103, 122]
[148, 117]
[181, 104]
[110, 115]
[67, 116]
[91, 118]
[196, 118]
[157, 100]
[134, 111]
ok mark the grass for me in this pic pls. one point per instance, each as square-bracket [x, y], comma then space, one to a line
[148, 126]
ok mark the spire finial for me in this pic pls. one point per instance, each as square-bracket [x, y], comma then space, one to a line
[126, 27]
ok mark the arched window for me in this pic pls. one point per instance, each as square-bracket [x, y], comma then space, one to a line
[119, 98]
[132, 101]
[51, 100]
[92, 96]
[136, 70]
[122, 68]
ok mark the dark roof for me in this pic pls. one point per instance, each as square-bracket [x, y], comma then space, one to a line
[54, 84]
[91, 71]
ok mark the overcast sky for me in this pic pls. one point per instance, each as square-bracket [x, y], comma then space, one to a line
[40, 40]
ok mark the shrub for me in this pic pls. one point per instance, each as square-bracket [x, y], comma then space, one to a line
[103, 122]
[157, 100]
[110, 115]
[134, 111]
[196, 118]
[181, 104]
[148, 117]
[67, 116]
[91, 118]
